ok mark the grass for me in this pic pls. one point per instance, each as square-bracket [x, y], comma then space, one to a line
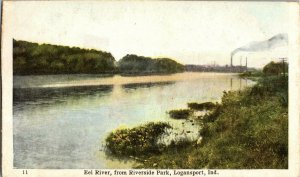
[249, 132]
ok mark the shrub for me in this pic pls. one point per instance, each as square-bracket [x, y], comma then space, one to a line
[201, 106]
[180, 114]
[138, 141]
[275, 68]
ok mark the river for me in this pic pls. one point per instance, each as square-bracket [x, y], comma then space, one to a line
[61, 121]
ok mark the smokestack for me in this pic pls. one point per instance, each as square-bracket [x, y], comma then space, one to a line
[241, 69]
[231, 60]
[241, 61]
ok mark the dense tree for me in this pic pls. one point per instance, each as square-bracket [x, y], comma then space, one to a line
[32, 58]
[139, 64]
[275, 68]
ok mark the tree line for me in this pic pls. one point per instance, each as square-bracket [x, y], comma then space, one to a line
[38, 59]
[133, 64]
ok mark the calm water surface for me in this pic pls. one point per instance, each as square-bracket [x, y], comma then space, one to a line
[62, 121]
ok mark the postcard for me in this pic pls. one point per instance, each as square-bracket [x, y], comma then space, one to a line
[150, 88]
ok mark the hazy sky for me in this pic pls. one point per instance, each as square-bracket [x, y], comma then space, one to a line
[190, 32]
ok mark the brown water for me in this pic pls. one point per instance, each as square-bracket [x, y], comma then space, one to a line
[62, 121]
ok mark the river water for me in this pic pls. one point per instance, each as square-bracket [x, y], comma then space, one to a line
[61, 121]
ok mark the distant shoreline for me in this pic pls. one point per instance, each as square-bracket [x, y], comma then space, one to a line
[117, 79]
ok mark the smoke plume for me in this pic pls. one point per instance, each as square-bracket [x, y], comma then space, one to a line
[275, 41]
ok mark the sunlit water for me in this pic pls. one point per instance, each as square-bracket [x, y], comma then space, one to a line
[62, 121]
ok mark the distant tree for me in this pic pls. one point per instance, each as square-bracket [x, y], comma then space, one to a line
[139, 64]
[275, 68]
[32, 58]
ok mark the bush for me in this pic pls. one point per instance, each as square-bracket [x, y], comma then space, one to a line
[201, 106]
[138, 141]
[275, 68]
[180, 114]
[251, 74]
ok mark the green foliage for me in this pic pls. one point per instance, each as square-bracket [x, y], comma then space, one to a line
[201, 106]
[272, 86]
[180, 114]
[172, 157]
[138, 141]
[133, 64]
[248, 130]
[275, 68]
[32, 58]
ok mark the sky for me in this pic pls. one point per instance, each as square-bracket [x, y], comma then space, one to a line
[189, 32]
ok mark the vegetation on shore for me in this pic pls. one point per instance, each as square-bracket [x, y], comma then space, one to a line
[271, 69]
[247, 130]
[133, 64]
[38, 59]
[180, 113]
[32, 58]
[252, 75]
[275, 68]
[201, 106]
[138, 141]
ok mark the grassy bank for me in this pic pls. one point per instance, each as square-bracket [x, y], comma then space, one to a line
[247, 130]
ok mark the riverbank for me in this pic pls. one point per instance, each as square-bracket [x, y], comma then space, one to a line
[248, 129]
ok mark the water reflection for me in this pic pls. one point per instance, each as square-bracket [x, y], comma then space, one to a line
[145, 85]
[40, 80]
[57, 94]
